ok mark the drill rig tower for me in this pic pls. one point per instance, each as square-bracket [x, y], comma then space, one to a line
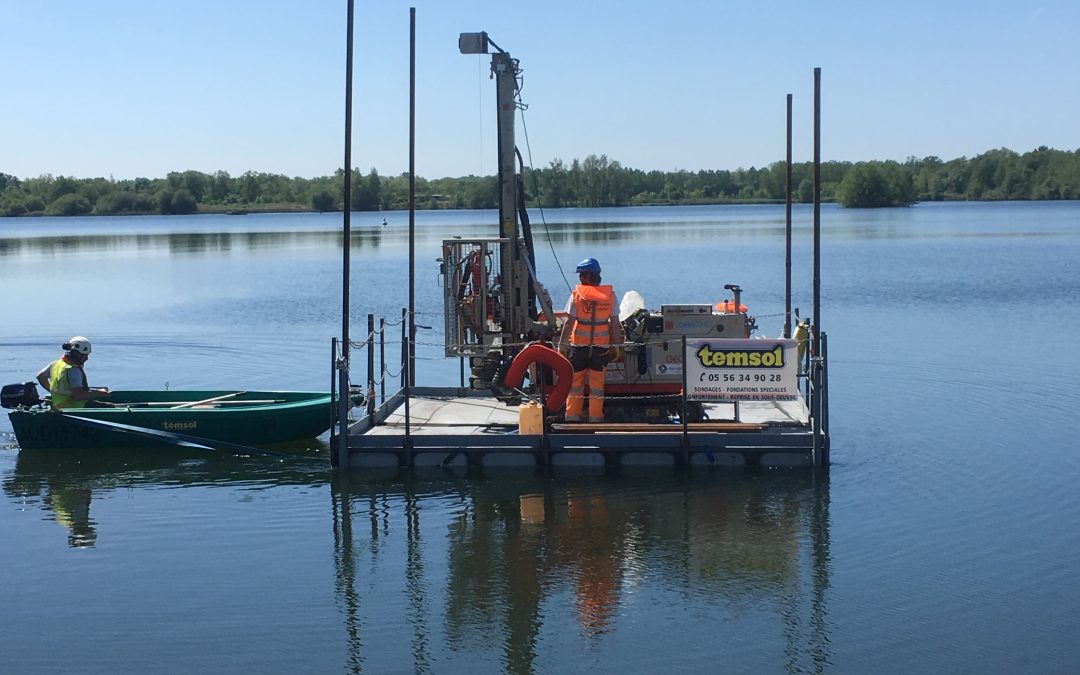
[493, 301]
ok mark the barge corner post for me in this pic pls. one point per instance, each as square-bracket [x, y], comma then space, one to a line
[787, 230]
[342, 362]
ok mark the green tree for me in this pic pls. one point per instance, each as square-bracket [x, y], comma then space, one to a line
[176, 202]
[805, 191]
[864, 187]
[220, 185]
[481, 192]
[250, 187]
[875, 184]
[61, 186]
[196, 183]
[114, 202]
[323, 201]
[553, 186]
[69, 205]
[374, 184]
[12, 207]
[184, 202]
[12, 202]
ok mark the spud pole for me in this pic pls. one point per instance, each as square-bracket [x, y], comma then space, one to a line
[343, 363]
[817, 211]
[412, 196]
[787, 230]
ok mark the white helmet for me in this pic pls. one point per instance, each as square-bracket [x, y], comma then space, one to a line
[78, 344]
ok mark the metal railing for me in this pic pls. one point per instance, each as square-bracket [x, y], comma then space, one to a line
[813, 370]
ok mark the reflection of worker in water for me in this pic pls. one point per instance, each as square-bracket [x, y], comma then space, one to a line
[592, 327]
[598, 574]
[71, 508]
[584, 536]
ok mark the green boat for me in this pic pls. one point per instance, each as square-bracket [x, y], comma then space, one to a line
[153, 418]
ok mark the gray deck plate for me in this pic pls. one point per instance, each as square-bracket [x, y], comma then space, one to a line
[435, 412]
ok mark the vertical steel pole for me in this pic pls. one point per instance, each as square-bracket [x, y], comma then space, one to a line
[412, 196]
[405, 387]
[514, 277]
[382, 360]
[334, 411]
[825, 400]
[682, 413]
[371, 364]
[787, 230]
[817, 211]
[815, 414]
[343, 364]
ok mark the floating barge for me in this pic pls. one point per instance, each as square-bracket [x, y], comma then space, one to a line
[448, 427]
[722, 399]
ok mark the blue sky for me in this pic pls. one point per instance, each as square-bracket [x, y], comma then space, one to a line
[124, 89]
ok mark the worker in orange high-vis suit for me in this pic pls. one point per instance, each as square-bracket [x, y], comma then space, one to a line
[591, 330]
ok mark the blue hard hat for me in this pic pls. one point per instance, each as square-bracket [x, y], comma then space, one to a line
[589, 265]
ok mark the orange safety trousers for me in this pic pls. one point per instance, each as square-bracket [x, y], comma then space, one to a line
[576, 401]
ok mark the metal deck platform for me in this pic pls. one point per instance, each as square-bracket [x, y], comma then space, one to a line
[458, 427]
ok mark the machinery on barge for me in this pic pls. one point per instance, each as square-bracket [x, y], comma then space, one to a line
[496, 306]
[689, 385]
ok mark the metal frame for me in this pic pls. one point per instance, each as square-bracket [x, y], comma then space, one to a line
[455, 252]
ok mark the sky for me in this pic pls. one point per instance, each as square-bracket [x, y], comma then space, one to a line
[129, 89]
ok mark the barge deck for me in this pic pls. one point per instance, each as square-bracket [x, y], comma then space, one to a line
[448, 427]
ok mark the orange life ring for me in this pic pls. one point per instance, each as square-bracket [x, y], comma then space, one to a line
[538, 353]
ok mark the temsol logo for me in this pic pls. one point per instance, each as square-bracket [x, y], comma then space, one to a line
[180, 426]
[741, 358]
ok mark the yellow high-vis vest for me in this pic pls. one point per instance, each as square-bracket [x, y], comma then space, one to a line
[59, 386]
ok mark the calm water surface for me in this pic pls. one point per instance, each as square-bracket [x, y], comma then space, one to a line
[943, 538]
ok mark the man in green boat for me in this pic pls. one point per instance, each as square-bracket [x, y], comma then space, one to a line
[65, 378]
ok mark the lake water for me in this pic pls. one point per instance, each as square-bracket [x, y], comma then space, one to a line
[942, 539]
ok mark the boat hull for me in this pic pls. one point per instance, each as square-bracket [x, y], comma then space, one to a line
[248, 418]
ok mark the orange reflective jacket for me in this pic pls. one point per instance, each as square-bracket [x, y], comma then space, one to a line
[592, 311]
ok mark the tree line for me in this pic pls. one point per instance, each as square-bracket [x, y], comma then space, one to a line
[1043, 173]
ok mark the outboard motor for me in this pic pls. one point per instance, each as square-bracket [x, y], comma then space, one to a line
[15, 395]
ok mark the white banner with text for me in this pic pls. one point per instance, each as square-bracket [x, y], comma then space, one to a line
[742, 370]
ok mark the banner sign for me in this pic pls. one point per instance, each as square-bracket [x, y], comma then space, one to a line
[741, 370]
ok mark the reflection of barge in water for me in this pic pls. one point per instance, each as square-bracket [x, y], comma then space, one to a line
[525, 560]
[673, 397]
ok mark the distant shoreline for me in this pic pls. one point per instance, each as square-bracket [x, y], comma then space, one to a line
[257, 209]
[1043, 174]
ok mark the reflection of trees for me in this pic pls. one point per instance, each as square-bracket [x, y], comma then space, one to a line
[185, 243]
[515, 545]
[656, 231]
[493, 580]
